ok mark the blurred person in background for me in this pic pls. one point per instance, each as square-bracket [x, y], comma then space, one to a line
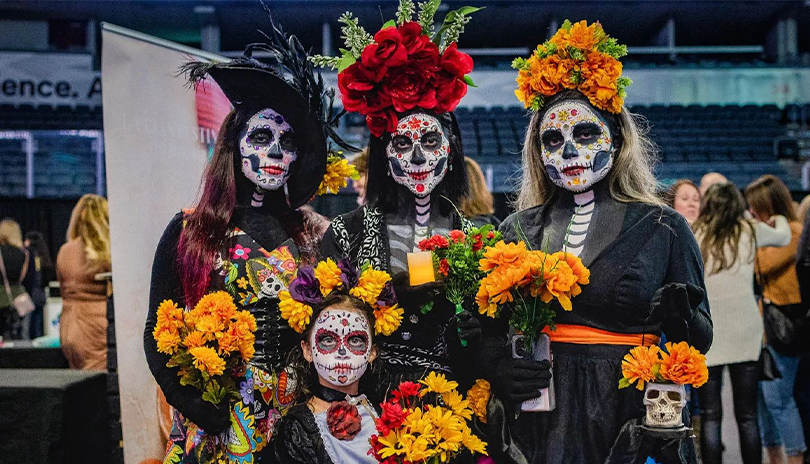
[684, 197]
[801, 211]
[727, 244]
[16, 262]
[46, 272]
[361, 163]
[802, 389]
[477, 204]
[83, 326]
[780, 422]
[710, 179]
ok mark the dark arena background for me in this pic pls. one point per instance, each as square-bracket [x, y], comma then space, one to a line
[724, 86]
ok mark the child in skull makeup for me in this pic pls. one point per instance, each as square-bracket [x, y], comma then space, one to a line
[407, 87]
[587, 189]
[334, 419]
[245, 236]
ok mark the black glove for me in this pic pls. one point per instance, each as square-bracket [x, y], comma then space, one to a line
[415, 296]
[678, 301]
[521, 379]
[469, 327]
[212, 419]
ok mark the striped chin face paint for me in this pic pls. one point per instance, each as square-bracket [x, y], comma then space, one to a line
[418, 153]
[268, 149]
[577, 146]
[341, 346]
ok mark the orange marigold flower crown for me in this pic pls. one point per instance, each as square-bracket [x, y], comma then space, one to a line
[312, 284]
[579, 57]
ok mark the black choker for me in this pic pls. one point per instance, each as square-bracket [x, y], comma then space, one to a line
[329, 394]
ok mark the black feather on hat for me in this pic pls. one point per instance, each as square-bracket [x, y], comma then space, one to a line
[290, 86]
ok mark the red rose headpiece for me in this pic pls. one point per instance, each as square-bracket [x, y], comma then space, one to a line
[403, 66]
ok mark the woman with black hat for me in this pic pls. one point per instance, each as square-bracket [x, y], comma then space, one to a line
[407, 84]
[247, 232]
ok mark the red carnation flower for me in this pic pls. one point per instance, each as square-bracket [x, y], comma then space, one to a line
[381, 122]
[406, 391]
[444, 267]
[426, 244]
[391, 418]
[440, 242]
[343, 420]
[457, 236]
[387, 51]
[478, 244]
[491, 235]
[409, 87]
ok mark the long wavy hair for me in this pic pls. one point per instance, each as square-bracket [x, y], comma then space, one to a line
[631, 178]
[304, 372]
[90, 221]
[384, 192]
[11, 233]
[769, 196]
[478, 201]
[720, 225]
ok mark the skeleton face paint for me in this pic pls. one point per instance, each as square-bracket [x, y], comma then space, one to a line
[268, 149]
[418, 153]
[341, 346]
[577, 147]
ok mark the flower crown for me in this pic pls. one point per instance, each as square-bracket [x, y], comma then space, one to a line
[313, 284]
[338, 171]
[579, 57]
[405, 65]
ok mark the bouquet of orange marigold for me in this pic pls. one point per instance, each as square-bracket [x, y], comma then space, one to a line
[679, 364]
[425, 422]
[526, 282]
[210, 344]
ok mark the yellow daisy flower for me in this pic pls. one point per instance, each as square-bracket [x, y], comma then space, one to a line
[437, 383]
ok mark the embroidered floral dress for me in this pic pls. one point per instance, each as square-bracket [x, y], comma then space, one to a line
[253, 276]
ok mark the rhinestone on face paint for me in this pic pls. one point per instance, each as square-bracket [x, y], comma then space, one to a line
[406, 336]
[414, 318]
[279, 119]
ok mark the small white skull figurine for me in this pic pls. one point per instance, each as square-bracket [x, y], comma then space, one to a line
[665, 404]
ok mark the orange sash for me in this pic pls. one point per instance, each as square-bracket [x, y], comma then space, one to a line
[583, 335]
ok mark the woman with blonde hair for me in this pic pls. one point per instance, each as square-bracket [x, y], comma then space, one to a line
[477, 205]
[779, 419]
[588, 190]
[16, 263]
[83, 326]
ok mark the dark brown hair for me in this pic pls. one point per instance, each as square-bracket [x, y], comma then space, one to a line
[720, 225]
[769, 196]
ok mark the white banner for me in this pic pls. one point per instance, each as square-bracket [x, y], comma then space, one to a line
[37, 78]
[154, 164]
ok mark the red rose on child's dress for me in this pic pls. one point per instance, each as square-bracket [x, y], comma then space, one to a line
[343, 420]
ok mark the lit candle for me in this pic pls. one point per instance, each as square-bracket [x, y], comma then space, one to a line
[420, 268]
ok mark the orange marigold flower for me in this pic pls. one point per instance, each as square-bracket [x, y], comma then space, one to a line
[207, 360]
[484, 305]
[295, 313]
[369, 285]
[582, 273]
[637, 366]
[387, 320]
[328, 274]
[227, 342]
[210, 323]
[582, 36]
[246, 349]
[167, 340]
[684, 365]
[169, 315]
[557, 282]
[478, 396]
[501, 254]
[195, 339]
[245, 321]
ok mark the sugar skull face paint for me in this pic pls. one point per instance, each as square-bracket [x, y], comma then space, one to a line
[577, 146]
[341, 346]
[268, 149]
[418, 153]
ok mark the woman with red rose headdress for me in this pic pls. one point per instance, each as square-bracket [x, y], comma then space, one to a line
[334, 418]
[406, 80]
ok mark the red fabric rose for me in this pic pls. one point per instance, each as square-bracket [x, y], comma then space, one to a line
[412, 38]
[357, 86]
[409, 87]
[457, 63]
[343, 420]
[444, 267]
[457, 236]
[387, 51]
[449, 91]
[382, 122]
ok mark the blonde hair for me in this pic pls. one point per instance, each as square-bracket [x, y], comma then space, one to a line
[478, 201]
[631, 178]
[90, 221]
[11, 233]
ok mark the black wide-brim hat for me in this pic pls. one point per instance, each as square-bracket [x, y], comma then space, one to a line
[255, 87]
